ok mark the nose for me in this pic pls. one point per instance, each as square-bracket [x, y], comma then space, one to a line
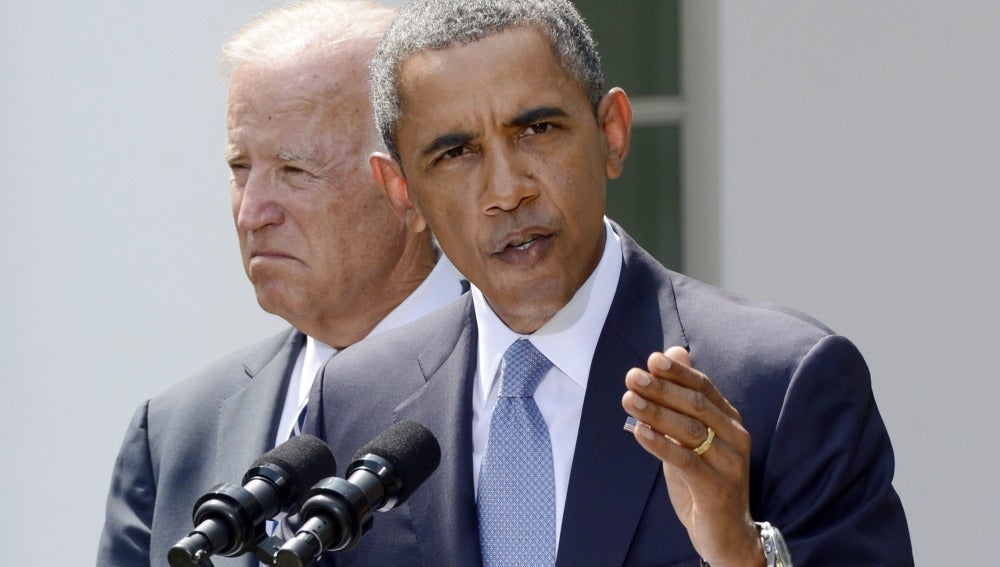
[510, 182]
[255, 204]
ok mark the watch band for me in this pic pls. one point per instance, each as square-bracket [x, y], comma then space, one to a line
[775, 551]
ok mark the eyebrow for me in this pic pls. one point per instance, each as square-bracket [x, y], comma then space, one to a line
[446, 141]
[537, 114]
[233, 154]
[292, 155]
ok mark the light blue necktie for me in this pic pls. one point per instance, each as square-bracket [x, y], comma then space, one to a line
[516, 500]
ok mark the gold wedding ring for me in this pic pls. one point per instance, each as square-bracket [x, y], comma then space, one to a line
[706, 444]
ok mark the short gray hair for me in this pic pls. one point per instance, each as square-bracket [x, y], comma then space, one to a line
[424, 25]
[305, 28]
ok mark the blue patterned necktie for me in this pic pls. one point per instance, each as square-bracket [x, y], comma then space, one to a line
[516, 500]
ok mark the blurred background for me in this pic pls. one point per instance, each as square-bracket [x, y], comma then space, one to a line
[837, 157]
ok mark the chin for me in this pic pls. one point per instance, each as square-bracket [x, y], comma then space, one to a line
[534, 307]
[278, 300]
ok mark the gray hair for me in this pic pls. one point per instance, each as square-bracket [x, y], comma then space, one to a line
[424, 25]
[306, 28]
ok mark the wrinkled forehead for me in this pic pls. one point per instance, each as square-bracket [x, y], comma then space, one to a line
[297, 111]
[325, 80]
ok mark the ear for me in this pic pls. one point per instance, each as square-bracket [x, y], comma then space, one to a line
[389, 176]
[614, 115]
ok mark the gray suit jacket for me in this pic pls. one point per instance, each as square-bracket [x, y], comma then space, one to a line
[821, 464]
[185, 441]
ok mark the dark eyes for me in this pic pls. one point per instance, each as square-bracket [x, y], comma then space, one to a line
[291, 169]
[449, 154]
[540, 128]
[456, 152]
[453, 153]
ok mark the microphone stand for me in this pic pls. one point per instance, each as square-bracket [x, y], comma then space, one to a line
[190, 552]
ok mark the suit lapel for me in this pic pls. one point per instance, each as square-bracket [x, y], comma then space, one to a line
[612, 476]
[262, 396]
[444, 509]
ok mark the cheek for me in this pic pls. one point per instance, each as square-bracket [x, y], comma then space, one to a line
[459, 240]
[451, 212]
[581, 189]
[452, 220]
[450, 198]
[363, 226]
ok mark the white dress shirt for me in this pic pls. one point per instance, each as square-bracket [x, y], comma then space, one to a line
[568, 340]
[442, 285]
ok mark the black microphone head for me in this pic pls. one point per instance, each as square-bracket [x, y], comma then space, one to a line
[304, 459]
[411, 449]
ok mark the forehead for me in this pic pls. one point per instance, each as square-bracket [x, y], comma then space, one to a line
[500, 74]
[270, 92]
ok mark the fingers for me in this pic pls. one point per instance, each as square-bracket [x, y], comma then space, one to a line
[673, 437]
[680, 403]
[678, 354]
[674, 367]
[679, 451]
[675, 405]
[678, 412]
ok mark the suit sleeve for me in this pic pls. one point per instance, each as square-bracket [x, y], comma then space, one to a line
[828, 485]
[125, 539]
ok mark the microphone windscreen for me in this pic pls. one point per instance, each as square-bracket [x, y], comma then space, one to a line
[412, 450]
[306, 459]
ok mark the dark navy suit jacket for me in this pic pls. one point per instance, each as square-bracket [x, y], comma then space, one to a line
[821, 464]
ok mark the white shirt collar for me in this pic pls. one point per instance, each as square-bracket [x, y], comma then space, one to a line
[570, 337]
[313, 357]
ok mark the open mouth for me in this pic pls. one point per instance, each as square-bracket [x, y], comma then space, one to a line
[524, 243]
[526, 250]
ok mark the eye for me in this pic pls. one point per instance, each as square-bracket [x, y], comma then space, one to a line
[450, 154]
[295, 172]
[238, 173]
[539, 128]
[453, 153]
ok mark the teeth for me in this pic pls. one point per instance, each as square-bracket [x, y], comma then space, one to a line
[523, 245]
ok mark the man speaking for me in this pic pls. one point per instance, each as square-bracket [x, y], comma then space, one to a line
[749, 422]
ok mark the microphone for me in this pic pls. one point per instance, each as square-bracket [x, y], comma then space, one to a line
[229, 519]
[384, 473]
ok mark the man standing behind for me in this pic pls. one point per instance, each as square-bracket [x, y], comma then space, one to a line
[501, 140]
[323, 249]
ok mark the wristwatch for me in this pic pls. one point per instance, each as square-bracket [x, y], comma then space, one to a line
[775, 551]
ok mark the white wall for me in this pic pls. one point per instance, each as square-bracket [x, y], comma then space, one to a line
[119, 266]
[854, 161]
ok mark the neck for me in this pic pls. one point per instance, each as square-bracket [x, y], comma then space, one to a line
[414, 265]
